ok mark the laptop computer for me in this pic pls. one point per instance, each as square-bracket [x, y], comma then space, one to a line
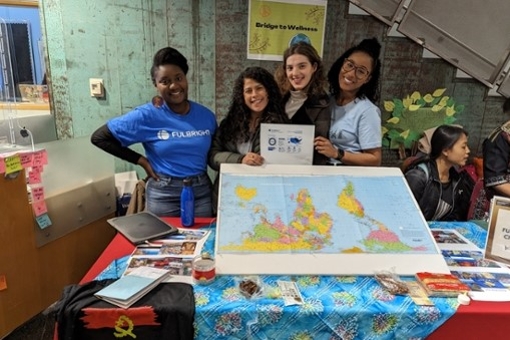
[141, 227]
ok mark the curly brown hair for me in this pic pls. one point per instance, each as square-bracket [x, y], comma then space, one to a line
[236, 125]
[318, 82]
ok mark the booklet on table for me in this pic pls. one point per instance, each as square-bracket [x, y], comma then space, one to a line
[130, 288]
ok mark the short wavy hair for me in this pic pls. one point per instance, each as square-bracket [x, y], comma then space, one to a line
[168, 56]
[236, 125]
[370, 89]
[317, 86]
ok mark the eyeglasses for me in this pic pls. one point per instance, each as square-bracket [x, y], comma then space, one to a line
[360, 71]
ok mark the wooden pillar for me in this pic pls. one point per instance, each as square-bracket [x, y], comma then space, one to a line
[36, 276]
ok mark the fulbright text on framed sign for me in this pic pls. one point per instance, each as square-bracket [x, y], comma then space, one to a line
[275, 25]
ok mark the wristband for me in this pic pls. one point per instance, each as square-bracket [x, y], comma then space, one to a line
[341, 154]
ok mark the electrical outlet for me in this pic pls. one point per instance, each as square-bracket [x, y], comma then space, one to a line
[96, 87]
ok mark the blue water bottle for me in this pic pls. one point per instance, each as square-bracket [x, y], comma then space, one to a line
[187, 204]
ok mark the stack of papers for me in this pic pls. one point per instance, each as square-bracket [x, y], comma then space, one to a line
[488, 280]
[133, 286]
[174, 253]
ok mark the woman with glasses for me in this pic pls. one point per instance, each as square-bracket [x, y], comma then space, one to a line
[302, 83]
[355, 133]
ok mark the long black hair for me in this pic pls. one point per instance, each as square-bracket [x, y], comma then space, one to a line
[236, 125]
[370, 89]
[506, 106]
[444, 138]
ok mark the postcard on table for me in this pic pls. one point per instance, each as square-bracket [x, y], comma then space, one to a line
[452, 240]
[287, 143]
[180, 268]
[498, 235]
[130, 288]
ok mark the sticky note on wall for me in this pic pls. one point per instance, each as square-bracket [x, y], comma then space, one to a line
[3, 282]
[13, 164]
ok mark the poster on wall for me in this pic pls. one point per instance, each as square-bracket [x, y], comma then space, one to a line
[275, 25]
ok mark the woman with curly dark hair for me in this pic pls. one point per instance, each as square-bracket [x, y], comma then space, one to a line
[355, 134]
[303, 85]
[256, 99]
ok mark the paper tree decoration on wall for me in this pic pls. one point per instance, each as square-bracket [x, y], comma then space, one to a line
[414, 114]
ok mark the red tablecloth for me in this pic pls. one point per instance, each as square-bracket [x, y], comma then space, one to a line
[479, 320]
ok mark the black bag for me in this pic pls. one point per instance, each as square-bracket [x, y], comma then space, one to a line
[166, 312]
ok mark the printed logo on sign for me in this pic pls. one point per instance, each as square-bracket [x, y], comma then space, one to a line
[272, 142]
[295, 140]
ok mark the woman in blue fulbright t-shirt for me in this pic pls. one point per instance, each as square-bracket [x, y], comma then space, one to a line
[176, 134]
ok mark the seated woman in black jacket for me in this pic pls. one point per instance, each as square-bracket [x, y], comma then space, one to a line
[434, 180]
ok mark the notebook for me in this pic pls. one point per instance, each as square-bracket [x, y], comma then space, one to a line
[132, 287]
[142, 226]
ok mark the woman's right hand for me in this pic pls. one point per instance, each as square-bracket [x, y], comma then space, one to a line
[252, 158]
[144, 163]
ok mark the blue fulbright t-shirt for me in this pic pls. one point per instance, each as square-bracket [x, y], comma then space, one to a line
[175, 145]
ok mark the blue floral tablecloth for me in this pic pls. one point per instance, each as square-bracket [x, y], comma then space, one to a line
[334, 308]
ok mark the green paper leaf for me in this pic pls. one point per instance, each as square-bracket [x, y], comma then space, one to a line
[449, 120]
[435, 101]
[392, 134]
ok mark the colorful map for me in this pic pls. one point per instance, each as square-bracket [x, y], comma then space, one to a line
[319, 214]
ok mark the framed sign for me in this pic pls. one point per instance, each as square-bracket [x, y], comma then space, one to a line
[497, 247]
[275, 25]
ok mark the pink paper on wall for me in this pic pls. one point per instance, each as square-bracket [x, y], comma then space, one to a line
[40, 157]
[26, 159]
[34, 177]
[37, 194]
[39, 208]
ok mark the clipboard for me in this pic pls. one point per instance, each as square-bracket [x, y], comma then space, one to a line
[142, 227]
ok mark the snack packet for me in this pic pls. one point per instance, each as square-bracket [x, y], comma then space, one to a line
[391, 283]
[250, 287]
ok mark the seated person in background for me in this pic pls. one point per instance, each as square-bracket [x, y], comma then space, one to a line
[176, 135]
[256, 99]
[302, 82]
[355, 134]
[496, 158]
[434, 181]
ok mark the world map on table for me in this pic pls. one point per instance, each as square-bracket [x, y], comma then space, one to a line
[320, 214]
